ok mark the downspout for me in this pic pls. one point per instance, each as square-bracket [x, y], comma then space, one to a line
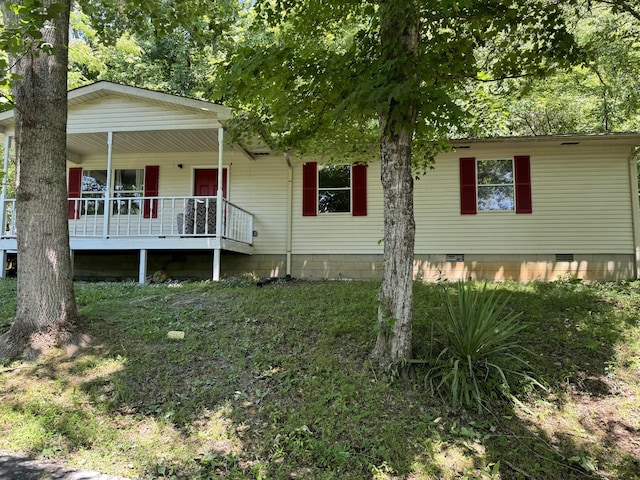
[635, 207]
[289, 213]
[107, 194]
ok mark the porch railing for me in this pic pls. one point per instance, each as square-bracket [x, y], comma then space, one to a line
[149, 217]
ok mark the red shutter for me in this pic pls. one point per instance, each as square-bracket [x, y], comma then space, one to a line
[468, 204]
[74, 191]
[309, 189]
[523, 184]
[359, 190]
[151, 177]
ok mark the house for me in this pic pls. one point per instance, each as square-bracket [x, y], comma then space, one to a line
[152, 187]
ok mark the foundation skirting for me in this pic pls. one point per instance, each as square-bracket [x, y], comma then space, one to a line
[198, 266]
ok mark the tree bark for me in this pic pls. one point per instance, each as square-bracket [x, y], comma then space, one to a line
[399, 36]
[395, 310]
[46, 312]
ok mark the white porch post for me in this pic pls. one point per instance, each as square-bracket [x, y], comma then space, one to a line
[289, 212]
[3, 259]
[216, 265]
[5, 169]
[142, 268]
[3, 207]
[107, 194]
[219, 209]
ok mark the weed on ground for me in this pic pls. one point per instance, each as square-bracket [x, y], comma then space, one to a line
[275, 383]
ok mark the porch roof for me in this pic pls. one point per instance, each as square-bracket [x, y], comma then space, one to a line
[143, 121]
[102, 89]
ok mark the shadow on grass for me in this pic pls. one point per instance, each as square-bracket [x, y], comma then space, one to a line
[275, 383]
[300, 400]
[572, 339]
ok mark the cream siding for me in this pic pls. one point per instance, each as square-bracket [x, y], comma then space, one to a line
[118, 114]
[339, 232]
[260, 187]
[580, 205]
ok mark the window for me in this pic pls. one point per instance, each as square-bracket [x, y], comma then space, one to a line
[94, 184]
[334, 189]
[495, 182]
[495, 185]
[127, 187]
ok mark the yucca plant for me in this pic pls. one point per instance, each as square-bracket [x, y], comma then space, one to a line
[477, 361]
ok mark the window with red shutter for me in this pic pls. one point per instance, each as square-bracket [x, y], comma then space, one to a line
[334, 189]
[495, 185]
[74, 188]
[359, 190]
[151, 189]
[522, 165]
[309, 189]
[468, 186]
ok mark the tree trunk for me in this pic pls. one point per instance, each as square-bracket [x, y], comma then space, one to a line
[393, 344]
[399, 36]
[47, 311]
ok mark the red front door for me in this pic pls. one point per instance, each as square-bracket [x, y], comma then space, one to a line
[206, 182]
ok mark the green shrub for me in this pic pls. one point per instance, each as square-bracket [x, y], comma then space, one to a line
[476, 361]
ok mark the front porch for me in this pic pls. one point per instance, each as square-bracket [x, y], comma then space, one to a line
[146, 224]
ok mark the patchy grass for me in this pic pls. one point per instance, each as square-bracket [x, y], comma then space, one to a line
[275, 383]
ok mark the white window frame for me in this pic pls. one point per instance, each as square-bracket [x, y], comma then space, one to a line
[348, 188]
[115, 194]
[124, 197]
[511, 184]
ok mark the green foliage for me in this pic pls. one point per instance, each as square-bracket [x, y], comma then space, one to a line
[8, 304]
[172, 57]
[600, 94]
[265, 384]
[477, 361]
[19, 37]
[204, 19]
[315, 77]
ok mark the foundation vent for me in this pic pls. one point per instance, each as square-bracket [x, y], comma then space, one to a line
[564, 257]
[455, 257]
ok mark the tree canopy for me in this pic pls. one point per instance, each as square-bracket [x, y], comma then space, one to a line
[334, 78]
[600, 94]
[303, 67]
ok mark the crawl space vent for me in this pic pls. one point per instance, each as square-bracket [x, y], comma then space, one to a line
[455, 257]
[564, 257]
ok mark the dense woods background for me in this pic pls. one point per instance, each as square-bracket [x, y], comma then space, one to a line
[601, 94]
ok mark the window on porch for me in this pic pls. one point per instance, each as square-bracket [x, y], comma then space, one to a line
[128, 187]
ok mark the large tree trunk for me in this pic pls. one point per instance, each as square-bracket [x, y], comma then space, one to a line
[47, 311]
[393, 344]
[399, 36]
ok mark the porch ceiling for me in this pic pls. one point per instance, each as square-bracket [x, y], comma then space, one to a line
[144, 142]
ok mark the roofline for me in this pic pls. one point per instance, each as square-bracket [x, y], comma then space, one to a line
[223, 113]
[564, 138]
[146, 93]
[6, 115]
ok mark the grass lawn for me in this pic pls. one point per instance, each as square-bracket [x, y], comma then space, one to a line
[275, 383]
